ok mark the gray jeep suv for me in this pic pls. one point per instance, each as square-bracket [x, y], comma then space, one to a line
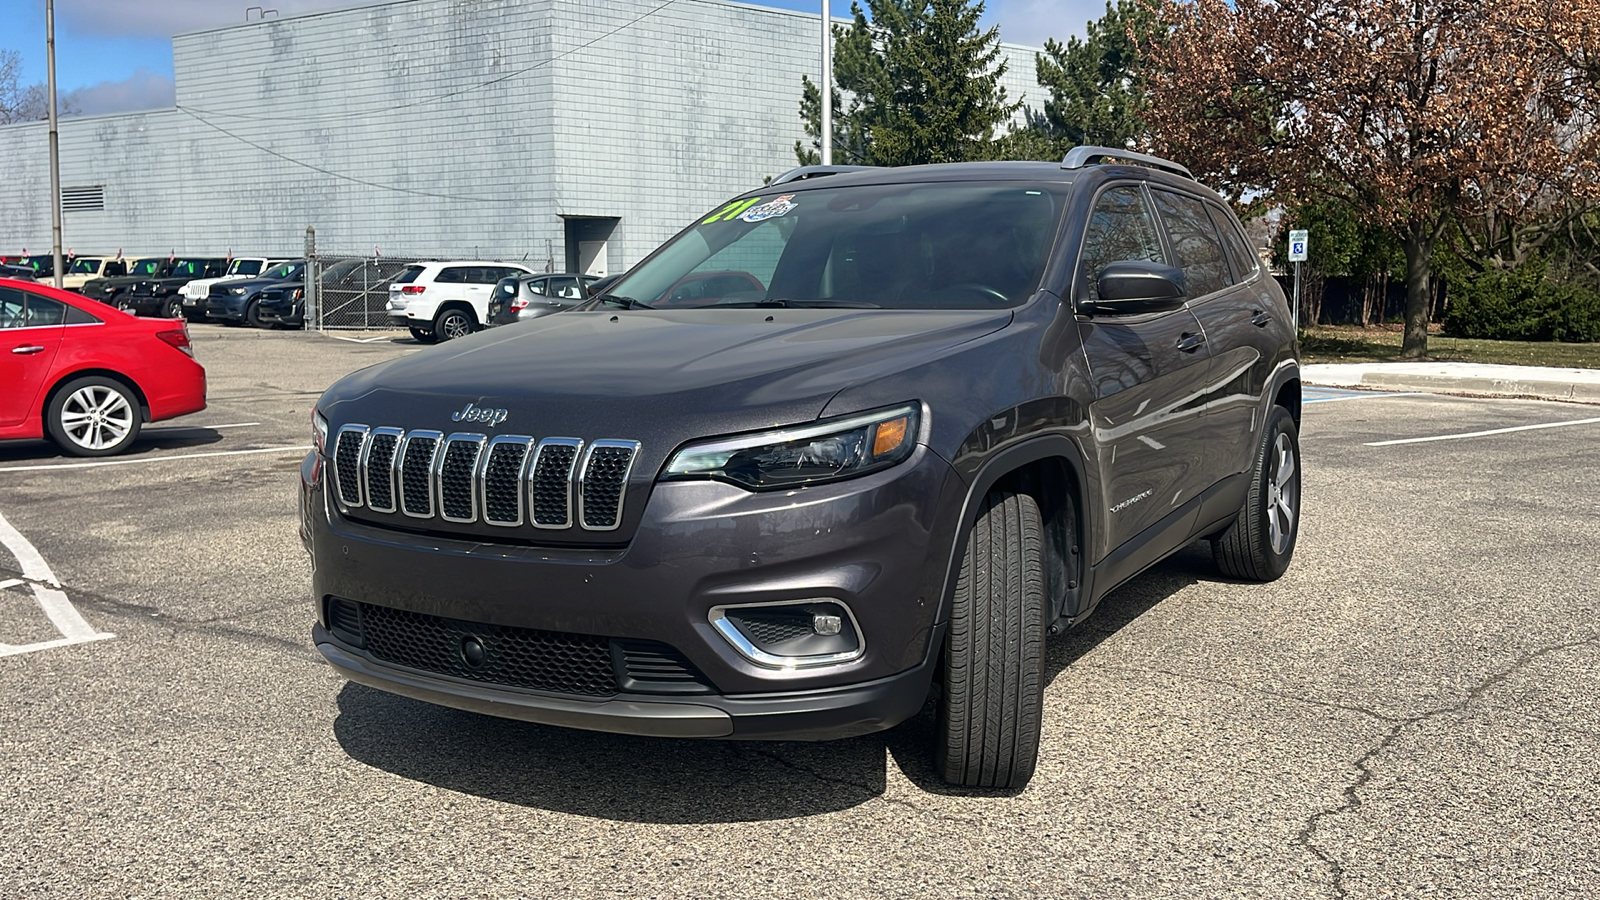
[843, 445]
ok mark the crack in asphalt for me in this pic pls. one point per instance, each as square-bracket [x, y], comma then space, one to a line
[216, 626]
[1352, 791]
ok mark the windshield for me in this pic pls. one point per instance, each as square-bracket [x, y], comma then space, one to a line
[146, 267]
[84, 267]
[188, 268]
[897, 246]
[284, 270]
[245, 267]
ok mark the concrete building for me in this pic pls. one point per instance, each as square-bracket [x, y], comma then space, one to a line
[587, 131]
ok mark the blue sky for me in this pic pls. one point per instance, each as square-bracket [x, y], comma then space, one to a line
[117, 54]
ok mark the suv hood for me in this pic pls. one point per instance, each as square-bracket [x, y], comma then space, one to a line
[254, 283]
[657, 377]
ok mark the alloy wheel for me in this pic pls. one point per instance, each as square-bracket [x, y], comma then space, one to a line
[454, 325]
[96, 417]
[1282, 493]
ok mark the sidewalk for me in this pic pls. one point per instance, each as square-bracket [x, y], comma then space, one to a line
[1541, 382]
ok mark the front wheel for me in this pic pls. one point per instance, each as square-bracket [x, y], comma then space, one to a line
[452, 323]
[252, 314]
[1260, 542]
[992, 698]
[93, 416]
[173, 309]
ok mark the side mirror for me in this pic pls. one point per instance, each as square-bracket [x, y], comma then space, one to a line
[1138, 286]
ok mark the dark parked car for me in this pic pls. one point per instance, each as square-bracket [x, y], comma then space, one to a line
[965, 403]
[283, 306]
[238, 302]
[106, 290]
[21, 273]
[521, 297]
[161, 297]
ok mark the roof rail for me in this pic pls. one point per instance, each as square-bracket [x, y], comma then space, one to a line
[1078, 157]
[805, 172]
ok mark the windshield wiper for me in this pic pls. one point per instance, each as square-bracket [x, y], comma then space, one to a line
[624, 302]
[793, 303]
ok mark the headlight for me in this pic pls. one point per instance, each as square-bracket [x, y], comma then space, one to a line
[238, 291]
[319, 431]
[809, 454]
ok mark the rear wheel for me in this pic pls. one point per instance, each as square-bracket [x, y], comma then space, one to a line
[422, 335]
[1260, 542]
[93, 416]
[452, 323]
[993, 672]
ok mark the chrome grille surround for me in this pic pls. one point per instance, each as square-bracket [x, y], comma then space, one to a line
[601, 493]
[551, 474]
[378, 457]
[415, 469]
[508, 481]
[455, 475]
[348, 449]
[493, 489]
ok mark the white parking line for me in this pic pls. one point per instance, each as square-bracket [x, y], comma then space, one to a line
[164, 428]
[360, 340]
[47, 592]
[1473, 434]
[153, 459]
[1359, 396]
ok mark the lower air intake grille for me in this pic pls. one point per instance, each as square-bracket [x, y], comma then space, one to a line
[773, 625]
[518, 657]
[552, 661]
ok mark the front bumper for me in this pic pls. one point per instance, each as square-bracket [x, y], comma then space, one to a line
[879, 544]
[231, 308]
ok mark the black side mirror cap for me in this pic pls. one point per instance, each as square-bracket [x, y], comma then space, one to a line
[1138, 286]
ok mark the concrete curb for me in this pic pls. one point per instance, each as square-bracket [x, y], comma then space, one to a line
[1539, 382]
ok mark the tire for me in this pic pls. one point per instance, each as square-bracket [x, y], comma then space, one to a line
[252, 314]
[453, 322]
[93, 416]
[1260, 542]
[422, 335]
[173, 309]
[993, 667]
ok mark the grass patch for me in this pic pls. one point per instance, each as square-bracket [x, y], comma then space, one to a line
[1349, 343]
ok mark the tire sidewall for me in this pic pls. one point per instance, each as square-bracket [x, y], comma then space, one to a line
[1280, 422]
[58, 402]
[441, 333]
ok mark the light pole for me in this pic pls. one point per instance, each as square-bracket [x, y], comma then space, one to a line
[827, 86]
[55, 139]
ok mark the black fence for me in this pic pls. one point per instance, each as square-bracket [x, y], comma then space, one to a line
[352, 291]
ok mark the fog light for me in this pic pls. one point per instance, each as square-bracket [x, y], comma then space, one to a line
[824, 624]
[796, 634]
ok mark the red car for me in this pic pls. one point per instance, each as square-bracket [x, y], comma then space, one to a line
[87, 375]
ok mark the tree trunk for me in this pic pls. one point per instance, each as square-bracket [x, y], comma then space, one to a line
[1419, 300]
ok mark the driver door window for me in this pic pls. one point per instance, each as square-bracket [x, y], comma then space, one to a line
[1120, 228]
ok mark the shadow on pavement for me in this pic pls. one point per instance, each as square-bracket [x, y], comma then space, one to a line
[663, 781]
[151, 439]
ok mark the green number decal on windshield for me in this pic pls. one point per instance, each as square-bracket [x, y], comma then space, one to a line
[731, 211]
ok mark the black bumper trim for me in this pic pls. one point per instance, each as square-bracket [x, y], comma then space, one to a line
[824, 714]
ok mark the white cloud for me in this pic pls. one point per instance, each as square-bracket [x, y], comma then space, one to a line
[1032, 21]
[143, 89]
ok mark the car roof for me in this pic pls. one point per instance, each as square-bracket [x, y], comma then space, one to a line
[1037, 172]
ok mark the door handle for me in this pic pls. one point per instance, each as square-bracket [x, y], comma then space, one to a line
[1261, 319]
[1191, 342]
[24, 351]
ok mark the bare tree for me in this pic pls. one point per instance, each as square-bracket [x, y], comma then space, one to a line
[26, 103]
[1416, 113]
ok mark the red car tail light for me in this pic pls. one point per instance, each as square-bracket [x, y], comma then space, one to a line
[178, 339]
[519, 304]
[413, 288]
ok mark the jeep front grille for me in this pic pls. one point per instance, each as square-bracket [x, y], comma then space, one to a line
[509, 481]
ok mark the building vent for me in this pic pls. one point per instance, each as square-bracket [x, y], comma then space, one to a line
[91, 198]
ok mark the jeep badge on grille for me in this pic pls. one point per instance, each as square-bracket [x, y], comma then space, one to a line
[474, 413]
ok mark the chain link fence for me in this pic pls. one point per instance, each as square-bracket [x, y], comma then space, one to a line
[351, 291]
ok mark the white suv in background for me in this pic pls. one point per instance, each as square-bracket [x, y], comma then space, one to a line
[438, 301]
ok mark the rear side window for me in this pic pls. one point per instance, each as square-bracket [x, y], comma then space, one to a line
[1195, 241]
[453, 275]
[1120, 229]
[115, 269]
[76, 316]
[1244, 262]
[408, 276]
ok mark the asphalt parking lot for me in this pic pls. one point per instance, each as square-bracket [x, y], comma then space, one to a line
[1410, 711]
